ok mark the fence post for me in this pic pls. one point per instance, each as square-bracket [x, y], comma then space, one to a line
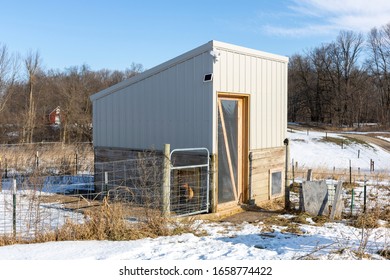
[105, 186]
[286, 185]
[213, 183]
[14, 206]
[372, 166]
[292, 171]
[350, 172]
[166, 178]
[6, 168]
[352, 198]
[37, 160]
[76, 163]
[309, 175]
[365, 194]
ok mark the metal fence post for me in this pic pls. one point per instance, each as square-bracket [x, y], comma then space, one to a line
[166, 181]
[365, 194]
[105, 188]
[286, 185]
[76, 163]
[14, 206]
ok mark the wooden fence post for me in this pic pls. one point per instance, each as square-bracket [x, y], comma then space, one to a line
[292, 170]
[166, 179]
[309, 175]
[214, 183]
[37, 160]
[372, 166]
[6, 168]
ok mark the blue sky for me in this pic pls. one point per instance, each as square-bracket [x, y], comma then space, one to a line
[113, 34]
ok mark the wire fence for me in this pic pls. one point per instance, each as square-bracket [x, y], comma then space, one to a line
[361, 192]
[44, 197]
[35, 203]
[46, 158]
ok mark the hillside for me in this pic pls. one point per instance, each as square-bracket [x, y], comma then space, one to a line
[325, 150]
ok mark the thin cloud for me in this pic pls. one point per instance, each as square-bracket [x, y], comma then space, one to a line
[307, 30]
[324, 17]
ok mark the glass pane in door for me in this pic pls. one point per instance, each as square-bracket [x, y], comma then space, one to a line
[228, 110]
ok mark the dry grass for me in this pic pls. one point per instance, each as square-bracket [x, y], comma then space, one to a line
[323, 172]
[272, 205]
[301, 218]
[320, 220]
[384, 253]
[23, 158]
[370, 219]
[109, 222]
[293, 228]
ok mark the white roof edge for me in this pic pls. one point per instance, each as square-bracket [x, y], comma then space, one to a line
[201, 49]
[253, 52]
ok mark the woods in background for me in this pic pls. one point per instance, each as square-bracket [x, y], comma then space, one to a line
[28, 94]
[343, 83]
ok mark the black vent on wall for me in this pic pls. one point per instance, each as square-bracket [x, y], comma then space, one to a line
[208, 78]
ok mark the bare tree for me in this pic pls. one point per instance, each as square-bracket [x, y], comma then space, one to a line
[135, 68]
[379, 68]
[32, 63]
[8, 72]
[350, 45]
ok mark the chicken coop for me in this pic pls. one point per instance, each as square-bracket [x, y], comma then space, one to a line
[222, 109]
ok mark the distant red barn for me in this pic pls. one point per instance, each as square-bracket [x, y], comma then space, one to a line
[55, 116]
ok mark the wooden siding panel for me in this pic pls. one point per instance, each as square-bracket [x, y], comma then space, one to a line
[262, 161]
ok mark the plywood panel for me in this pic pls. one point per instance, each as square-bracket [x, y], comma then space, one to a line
[262, 162]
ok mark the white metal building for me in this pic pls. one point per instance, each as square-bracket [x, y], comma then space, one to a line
[229, 99]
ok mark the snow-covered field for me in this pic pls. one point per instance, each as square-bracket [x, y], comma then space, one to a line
[320, 150]
[244, 241]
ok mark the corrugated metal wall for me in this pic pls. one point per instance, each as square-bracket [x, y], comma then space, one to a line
[265, 79]
[172, 106]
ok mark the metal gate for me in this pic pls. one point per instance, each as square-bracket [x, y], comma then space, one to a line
[189, 181]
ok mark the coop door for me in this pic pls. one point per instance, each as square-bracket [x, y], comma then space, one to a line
[231, 128]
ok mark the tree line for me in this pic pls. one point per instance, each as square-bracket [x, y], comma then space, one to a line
[28, 94]
[342, 83]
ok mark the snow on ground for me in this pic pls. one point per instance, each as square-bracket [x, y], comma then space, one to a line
[224, 241]
[312, 150]
[384, 138]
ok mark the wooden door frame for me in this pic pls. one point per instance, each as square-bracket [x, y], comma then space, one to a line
[244, 139]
